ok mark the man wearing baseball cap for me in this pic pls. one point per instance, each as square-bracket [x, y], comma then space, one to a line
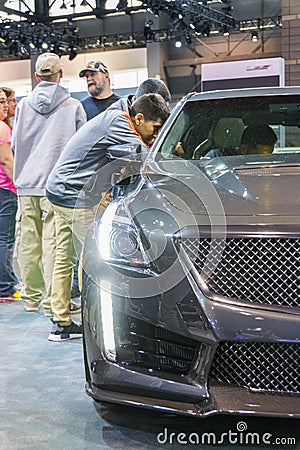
[45, 121]
[98, 83]
[47, 64]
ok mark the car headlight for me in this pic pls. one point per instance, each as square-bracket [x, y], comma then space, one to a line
[124, 243]
[118, 240]
[119, 244]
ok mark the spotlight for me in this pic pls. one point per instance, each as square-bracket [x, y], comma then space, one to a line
[58, 50]
[148, 32]
[254, 36]
[188, 39]
[153, 9]
[73, 54]
[225, 31]
[178, 43]
[227, 9]
[205, 29]
[13, 48]
[121, 5]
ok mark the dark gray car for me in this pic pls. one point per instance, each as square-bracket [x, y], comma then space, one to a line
[191, 285]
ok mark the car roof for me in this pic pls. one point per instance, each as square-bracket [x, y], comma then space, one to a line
[245, 92]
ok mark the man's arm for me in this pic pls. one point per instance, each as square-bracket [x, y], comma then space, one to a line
[7, 160]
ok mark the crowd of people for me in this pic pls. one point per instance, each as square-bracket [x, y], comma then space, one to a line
[55, 145]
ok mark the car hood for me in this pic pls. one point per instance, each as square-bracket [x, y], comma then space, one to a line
[268, 187]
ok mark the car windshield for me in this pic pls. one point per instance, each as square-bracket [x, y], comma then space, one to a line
[235, 126]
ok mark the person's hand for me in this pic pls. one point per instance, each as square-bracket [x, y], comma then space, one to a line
[179, 150]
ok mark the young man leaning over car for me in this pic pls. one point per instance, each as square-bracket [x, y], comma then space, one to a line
[84, 154]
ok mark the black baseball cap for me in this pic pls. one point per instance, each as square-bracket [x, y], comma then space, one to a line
[94, 66]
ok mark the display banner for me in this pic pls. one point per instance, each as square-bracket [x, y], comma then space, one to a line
[243, 74]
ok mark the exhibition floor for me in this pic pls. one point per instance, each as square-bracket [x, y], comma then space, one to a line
[44, 405]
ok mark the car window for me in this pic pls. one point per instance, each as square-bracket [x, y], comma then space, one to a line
[217, 127]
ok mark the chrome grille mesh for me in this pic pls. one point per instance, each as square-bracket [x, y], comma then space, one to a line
[260, 270]
[266, 366]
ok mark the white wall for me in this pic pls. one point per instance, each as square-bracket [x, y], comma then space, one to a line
[128, 68]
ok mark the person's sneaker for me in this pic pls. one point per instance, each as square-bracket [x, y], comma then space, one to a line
[11, 298]
[60, 334]
[74, 308]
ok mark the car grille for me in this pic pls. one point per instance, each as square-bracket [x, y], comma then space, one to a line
[266, 366]
[144, 345]
[260, 270]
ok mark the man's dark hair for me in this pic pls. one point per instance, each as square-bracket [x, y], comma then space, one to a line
[153, 86]
[258, 134]
[152, 106]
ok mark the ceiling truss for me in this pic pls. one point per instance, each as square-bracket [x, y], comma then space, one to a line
[37, 31]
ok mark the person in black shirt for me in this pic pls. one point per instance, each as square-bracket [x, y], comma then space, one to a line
[98, 83]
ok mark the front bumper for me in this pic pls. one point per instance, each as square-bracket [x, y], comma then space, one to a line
[167, 347]
[223, 400]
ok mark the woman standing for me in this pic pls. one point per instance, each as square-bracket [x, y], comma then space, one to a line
[12, 104]
[8, 207]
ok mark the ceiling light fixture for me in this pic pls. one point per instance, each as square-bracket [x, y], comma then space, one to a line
[73, 54]
[225, 31]
[254, 36]
[188, 39]
[121, 5]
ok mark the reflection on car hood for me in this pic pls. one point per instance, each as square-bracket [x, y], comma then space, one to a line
[244, 188]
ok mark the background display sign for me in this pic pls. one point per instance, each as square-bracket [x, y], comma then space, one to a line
[243, 74]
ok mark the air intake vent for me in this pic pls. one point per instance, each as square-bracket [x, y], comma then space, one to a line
[141, 344]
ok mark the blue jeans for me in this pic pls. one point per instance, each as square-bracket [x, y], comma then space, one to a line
[8, 209]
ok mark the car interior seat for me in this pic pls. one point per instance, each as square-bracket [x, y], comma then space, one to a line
[224, 139]
[227, 133]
